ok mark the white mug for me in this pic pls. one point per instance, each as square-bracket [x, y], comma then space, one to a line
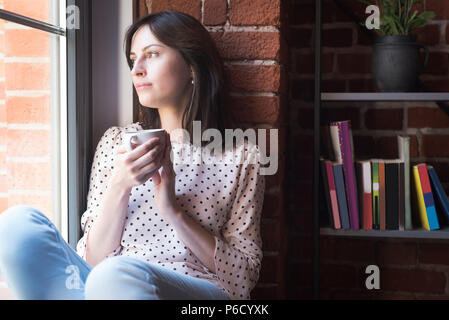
[142, 136]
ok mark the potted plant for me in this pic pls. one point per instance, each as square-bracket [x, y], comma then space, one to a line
[396, 61]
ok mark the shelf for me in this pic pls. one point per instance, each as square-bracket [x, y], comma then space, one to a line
[384, 96]
[411, 234]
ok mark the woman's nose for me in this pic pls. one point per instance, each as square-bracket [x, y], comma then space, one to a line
[138, 68]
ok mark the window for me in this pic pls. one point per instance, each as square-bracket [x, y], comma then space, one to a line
[45, 108]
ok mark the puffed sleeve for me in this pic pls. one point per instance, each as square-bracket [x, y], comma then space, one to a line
[238, 252]
[102, 166]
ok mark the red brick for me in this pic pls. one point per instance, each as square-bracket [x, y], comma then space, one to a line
[384, 119]
[28, 109]
[338, 276]
[387, 147]
[435, 146]
[304, 195]
[361, 85]
[354, 250]
[333, 86]
[28, 143]
[412, 280]
[38, 9]
[358, 8]
[302, 89]
[431, 253]
[248, 45]
[255, 78]
[437, 85]
[388, 253]
[271, 208]
[422, 117]
[265, 293]
[301, 222]
[337, 38]
[269, 269]
[29, 176]
[441, 8]
[214, 12]
[27, 43]
[256, 12]
[256, 109]
[300, 37]
[270, 230]
[301, 13]
[301, 248]
[428, 35]
[305, 63]
[438, 63]
[27, 76]
[192, 7]
[354, 63]
[329, 115]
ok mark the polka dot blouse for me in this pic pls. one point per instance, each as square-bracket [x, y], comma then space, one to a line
[225, 198]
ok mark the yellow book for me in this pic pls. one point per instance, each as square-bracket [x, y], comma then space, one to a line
[420, 196]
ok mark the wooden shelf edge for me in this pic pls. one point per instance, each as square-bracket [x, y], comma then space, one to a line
[407, 234]
[384, 96]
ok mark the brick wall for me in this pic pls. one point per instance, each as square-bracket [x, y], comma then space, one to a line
[25, 174]
[249, 37]
[409, 268]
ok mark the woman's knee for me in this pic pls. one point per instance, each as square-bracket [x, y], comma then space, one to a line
[19, 230]
[120, 278]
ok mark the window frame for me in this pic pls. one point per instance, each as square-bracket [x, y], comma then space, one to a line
[79, 109]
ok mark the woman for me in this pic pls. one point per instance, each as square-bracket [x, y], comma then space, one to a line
[154, 228]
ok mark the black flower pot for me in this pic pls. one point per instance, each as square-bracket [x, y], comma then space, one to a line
[396, 63]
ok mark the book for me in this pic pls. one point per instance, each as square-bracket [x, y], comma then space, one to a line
[382, 199]
[341, 195]
[404, 155]
[365, 195]
[402, 196]
[392, 189]
[426, 203]
[375, 190]
[440, 196]
[341, 134]
[330, 193]
[325, 206]
[333, 195]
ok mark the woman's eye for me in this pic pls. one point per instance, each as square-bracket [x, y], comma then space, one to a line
[152, 53]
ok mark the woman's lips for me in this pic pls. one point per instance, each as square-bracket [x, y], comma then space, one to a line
[143, 86]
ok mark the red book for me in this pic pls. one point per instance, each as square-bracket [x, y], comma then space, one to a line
[333, 195]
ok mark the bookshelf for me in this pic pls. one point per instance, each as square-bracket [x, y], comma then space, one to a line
[319, 98]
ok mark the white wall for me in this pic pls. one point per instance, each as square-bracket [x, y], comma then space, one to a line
[111, 79]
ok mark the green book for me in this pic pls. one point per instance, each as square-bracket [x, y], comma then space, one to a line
[375, 188]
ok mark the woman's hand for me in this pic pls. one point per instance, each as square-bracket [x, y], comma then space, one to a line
[137, 166]
[164, 184]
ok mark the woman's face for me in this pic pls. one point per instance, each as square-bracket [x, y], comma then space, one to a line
[163, 67]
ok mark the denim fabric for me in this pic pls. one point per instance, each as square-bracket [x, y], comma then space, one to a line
[37, 263]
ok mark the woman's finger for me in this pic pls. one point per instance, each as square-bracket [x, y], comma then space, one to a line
[148, 157]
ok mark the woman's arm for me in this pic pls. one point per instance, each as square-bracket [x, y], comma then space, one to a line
[106, 232]
[195, 237]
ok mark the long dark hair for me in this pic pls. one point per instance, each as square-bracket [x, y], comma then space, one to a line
[184, 33]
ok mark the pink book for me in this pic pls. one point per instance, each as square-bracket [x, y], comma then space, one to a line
[343, 148]
[333, 194]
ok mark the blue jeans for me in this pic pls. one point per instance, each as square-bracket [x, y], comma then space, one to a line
[37, 263]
